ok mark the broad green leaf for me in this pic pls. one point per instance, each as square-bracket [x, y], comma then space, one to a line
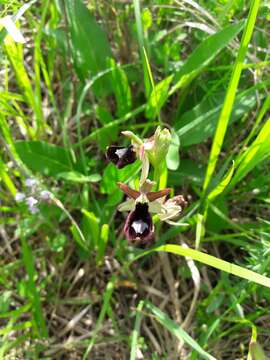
[146, 19]
[199, 123]
[91, 228]
[223, 184]
[120, 88]
[89, 45]
[102, 242]
[77, 177]
[206, 52]
[176, 330]
[158, 97]
[215, 223]
[189, 171]
[256, 352]
[172, 158]
[43, 158]
[111, 176]
[258, 151]
[5, 300]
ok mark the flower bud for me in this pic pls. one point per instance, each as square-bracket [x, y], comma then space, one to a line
[161, 142]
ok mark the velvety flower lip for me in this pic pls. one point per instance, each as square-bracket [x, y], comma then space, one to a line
[121, 156]
[139, 225]
[156, 201]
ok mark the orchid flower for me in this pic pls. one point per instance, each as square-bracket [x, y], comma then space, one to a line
[139, 226]
[153, 149]
[141, 204]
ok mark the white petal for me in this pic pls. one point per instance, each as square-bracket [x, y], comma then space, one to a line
[169, 212]
[31, 201]
[127, 205]
[11, 28]
[155, 207]
[19, 196]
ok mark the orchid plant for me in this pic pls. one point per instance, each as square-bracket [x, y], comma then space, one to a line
[139, 228]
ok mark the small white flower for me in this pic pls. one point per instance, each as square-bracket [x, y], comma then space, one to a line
[30, 182]
[45, 195]
[31, 201]
[33, 210]
[19, 197]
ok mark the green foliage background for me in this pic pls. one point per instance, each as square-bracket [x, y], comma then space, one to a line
[70, 284]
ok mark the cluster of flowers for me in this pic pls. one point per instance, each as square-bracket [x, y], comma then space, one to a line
[139, 226]
[33, 195]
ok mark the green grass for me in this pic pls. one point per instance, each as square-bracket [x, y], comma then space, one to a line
[71, 285]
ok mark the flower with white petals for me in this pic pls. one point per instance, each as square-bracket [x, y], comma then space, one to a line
[30, 182]
[32, 202]
[33, 210]
[45, 195]
[19, 197]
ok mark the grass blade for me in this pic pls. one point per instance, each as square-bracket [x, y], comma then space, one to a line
[4, 176]
[258, 151]
[136, 331]
[212, 261]
[137, 10]
[223, 184]
[34, 296]
[204, 54]
[106, 303]
[230, 94]
[176, 330]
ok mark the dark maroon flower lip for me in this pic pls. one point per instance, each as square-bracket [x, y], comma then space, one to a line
[139, 225]
[121, 156]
